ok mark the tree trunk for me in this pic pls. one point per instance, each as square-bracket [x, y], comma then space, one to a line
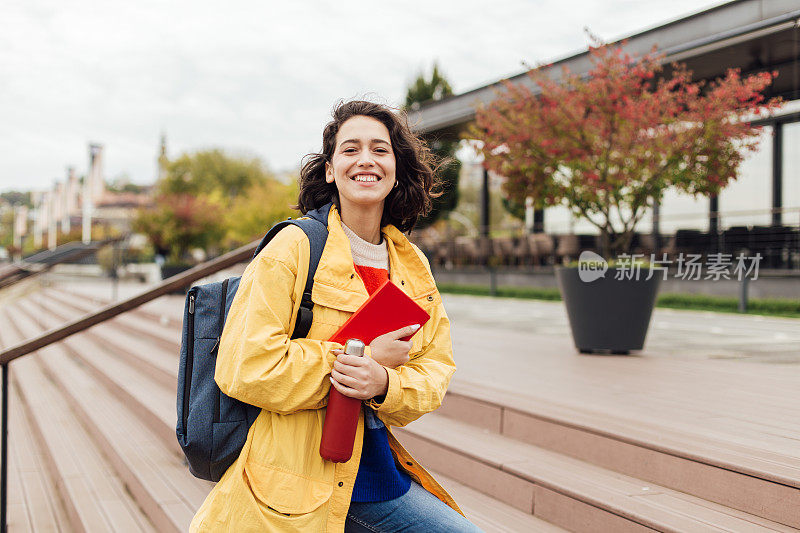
[610, 248]
[605, 245]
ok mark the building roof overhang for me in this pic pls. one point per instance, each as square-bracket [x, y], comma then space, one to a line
[753, 35]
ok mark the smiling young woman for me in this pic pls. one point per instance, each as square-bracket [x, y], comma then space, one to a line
[373, 179]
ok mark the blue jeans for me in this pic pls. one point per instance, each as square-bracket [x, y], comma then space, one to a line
[416, 510]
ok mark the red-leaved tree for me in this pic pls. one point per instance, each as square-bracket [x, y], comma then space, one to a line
[179, 222]
[608, 145]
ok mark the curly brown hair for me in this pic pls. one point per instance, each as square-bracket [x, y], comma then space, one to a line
[415, 171]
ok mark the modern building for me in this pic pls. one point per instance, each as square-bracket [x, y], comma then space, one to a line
[752, 35]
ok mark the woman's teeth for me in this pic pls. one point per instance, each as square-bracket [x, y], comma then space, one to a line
[366, 178]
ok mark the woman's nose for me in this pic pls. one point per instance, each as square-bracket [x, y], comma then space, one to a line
[365, 159]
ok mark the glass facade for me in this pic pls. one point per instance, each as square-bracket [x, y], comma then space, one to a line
[682, 211]
[791, 174]
[747, 201]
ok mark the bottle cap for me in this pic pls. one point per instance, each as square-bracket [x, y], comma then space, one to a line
[354, 347]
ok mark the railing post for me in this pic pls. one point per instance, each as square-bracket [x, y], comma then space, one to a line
[492, 280]
[114, 273]
[485, 218]
[4, 458]
[743, 295]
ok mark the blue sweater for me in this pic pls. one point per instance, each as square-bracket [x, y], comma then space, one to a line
[378, 477]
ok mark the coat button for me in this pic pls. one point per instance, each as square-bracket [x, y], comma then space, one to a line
[430, 298]
[352, 276]
[402, 282]
[341, 483]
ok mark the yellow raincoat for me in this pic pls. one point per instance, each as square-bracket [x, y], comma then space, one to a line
[279, 482]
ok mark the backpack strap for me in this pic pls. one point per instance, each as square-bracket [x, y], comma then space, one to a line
[320, 215]
[317, 232]
[223, 304]
[317, 236]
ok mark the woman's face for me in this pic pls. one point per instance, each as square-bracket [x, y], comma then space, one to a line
[363, 163]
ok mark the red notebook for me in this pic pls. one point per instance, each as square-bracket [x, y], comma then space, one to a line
[387, 309]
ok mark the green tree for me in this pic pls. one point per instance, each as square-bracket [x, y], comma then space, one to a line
[252, 214]
[514, 208]
[214, 173]
[424, 90]
[6, 226]
[122, 183]
[17, 198]
[209, 199]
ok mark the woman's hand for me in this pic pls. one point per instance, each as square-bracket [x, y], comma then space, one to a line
[389, 350]
[358, 377]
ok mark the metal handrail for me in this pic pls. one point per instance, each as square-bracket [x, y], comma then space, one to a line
[110, 311]
[76, 326]
[22, 270]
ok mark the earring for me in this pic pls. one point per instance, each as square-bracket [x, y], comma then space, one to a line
[395, 184]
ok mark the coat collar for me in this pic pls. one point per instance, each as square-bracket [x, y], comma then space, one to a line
[336, 283]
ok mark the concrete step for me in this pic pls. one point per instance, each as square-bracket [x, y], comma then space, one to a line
[133, 322]
[151, 357]
[94, 496]
[154, 473]
[34, 503]
[166, 310]
[756, 482]
[562, 490]
[491, 515]
[151, 402]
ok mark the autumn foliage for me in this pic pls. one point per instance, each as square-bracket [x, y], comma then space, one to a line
[179, 221]
[214, 201]
[608, 145]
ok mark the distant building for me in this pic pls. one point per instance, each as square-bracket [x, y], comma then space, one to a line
[61, 209]
[753, 35]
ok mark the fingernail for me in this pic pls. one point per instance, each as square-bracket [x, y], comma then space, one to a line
[415, 327]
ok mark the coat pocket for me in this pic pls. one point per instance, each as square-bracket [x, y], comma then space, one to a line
[286, 492]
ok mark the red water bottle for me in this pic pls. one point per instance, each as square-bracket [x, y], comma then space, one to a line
[341, 418]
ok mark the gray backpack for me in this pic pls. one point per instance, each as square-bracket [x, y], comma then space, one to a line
[212, 427]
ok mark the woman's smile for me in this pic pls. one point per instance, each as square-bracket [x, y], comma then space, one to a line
[366, 178]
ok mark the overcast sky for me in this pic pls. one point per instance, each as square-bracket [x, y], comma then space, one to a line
[253, 77]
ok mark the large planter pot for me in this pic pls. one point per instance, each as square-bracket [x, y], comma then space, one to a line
[608, 314]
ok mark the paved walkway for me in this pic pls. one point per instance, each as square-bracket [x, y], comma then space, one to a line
[676, 334]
